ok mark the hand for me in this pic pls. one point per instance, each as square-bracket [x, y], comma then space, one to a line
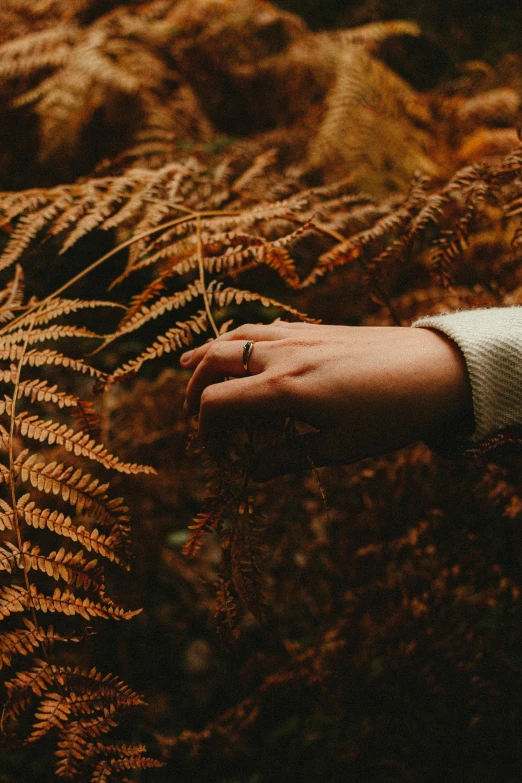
[366, 390]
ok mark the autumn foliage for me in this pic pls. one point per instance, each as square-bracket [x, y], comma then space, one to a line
[170, 169]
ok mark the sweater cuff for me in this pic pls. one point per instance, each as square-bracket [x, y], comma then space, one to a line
[491, 342]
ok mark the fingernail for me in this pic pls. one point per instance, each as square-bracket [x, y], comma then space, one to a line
[185, 357]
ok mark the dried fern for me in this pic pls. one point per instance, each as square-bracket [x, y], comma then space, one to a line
[82, 70]
[65, 581]
[434, 220]
[229, 513]
[198, 239]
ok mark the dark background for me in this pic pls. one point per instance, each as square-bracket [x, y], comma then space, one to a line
[464, 28]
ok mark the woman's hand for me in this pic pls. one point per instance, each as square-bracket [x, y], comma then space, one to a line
[366, 390]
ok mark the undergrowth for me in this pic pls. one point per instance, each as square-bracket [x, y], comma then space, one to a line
[182, 168]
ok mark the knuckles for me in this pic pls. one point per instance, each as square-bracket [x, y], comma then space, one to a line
[277, 381]
[214, 352]
[243, 332]
[209, 398]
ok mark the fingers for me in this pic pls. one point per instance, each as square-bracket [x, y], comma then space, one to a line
[226, 403]
[257, 332]
[222, 359]
[229, 401]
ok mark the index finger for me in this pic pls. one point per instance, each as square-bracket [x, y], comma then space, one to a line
[255, 332]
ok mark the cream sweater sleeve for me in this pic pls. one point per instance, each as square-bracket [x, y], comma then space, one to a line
[491, 341]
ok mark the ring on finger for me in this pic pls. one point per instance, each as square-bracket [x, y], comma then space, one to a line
[247, 352]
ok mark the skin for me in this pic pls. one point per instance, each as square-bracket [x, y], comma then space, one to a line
[365, 390]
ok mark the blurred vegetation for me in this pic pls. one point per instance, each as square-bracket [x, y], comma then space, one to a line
[465, 29]
[389, 647]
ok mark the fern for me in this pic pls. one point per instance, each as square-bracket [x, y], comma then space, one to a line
[49, 698]
[82, 69]
[26, 640]
[438, 221]
[202, 238]
[374, 123]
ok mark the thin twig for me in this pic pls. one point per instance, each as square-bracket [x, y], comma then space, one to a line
[202, 276]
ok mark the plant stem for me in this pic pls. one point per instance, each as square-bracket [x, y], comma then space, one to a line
[202, 276]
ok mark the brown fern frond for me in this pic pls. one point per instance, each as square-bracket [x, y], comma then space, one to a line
[227, 614]
[107, 203]
[453, 241]
[12, 296]
[375, 32]
[104, 531]
[85, 494]
[12, 599]
[53, 332]
[28, 227]
[111, 760]
[33, 681]
[45, 674]
[63, 601]
[58, 307]
[36, 51]
[39, 391]
[84, 702]
[78, 442]
[257, 251]
[228, 512]
[232, 244]
[177, 337]
[156, 287]
[96, 61]
[223, 253]
[81, 490]
[128, 758]
[37, 682]
[6, 513]
[441, 220]
[75, 742]
[52, 712]
[205, 522]
[394, 221]
[108, 546]
[58, 710]
[136, 320]
[247, 550]
[74, 569]
[24, 641]
[82, 207]
[86, 69]
[374, 123]
[40, 358]
[36, 358]
[229, 295]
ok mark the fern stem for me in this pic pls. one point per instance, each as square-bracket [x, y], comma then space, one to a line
[12, 474]
[202, 277]
[113, 252]
[189, 210]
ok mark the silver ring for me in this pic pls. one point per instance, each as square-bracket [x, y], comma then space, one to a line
[247, 352]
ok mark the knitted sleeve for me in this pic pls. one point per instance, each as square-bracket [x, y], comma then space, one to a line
[491, 342]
